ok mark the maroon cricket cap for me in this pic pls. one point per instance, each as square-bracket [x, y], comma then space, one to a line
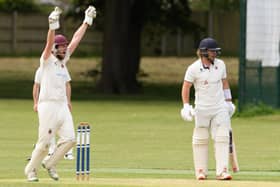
[60, 40]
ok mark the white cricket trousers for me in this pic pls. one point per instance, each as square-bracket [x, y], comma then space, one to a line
[55, 118]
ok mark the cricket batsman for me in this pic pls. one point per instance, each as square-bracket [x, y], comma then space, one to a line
[53, 111]
[213, 109]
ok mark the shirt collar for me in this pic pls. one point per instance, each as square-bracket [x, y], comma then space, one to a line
[202, 66]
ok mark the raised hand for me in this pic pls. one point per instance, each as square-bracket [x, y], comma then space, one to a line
[90, 14]
[54, 18]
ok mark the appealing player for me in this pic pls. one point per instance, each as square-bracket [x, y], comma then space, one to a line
[35, 93]
[213, 109]
[53, 111]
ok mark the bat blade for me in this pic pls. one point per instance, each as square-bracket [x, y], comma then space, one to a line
[233, 154]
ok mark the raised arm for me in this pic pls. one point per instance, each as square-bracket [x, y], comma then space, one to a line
[77, 37]
[50, 41]
[90, 14]
[53, 25]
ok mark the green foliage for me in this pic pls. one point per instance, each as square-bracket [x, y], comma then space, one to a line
[77, 8]
[251, 110]
[19, 6]
[169, 15]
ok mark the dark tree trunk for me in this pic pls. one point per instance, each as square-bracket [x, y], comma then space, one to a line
[121, 53]
[134, 42]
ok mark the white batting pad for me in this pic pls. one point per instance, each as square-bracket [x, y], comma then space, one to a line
[222, 149]
[200, 150]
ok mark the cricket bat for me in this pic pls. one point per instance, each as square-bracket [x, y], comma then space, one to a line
[232, 153]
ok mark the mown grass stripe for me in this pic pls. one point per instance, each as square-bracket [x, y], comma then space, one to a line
[171, 171]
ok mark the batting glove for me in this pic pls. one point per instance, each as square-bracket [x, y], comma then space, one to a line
[231, 108]
[90, 14]
[54, 18]
[187, 112]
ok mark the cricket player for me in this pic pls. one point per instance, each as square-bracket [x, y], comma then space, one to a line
[35, 93]
[53, 111]
[213, 109]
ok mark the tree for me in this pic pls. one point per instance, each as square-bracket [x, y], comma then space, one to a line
[214, 5]
[19, 6]
[124, 21]
[121, 47]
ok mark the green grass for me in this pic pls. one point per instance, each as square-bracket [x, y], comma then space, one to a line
[136, 140]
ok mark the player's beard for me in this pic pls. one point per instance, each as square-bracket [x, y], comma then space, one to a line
[60, 55]
[211, 59]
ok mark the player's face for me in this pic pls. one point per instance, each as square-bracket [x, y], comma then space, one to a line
[212, 54]
[61, 51]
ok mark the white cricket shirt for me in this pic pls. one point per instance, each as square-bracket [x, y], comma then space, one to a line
[207, 83]
[37, 77]
[52, 76]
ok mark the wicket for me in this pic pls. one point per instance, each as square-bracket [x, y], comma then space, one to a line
[83, 151]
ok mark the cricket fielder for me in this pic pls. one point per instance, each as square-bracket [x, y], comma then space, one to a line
[53, 111]
[213, 109]
[35, 93]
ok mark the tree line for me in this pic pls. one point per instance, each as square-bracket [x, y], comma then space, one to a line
[122, 22]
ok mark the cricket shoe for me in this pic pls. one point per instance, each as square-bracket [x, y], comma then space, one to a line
[52, 172]
[224, 176]
[32, 176]
[201, 175]
[69, 156]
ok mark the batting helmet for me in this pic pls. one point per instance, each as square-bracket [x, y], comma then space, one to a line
[60, 40]
[208, 44]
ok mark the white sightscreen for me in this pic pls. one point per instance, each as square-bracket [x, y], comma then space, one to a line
[263, 31]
